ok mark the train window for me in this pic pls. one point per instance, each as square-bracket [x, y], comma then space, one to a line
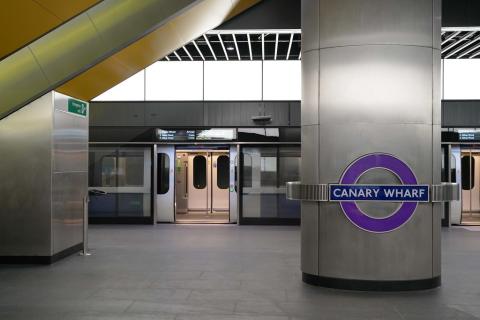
[163, 167]
[223, 168]
[468, 172]
[199, 172]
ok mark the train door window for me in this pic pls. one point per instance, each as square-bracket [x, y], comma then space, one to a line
[223, 172]
[163, 167]
[468, 172]
[199, 172]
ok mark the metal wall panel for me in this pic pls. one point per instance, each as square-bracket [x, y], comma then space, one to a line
[181, 114]
[295, 114]
[70, 174]
[279, 111]
[25, 175]
[127, 114]
[225, 113]
[406, 22]
[375, 62]
[68, 191]
[461, 113]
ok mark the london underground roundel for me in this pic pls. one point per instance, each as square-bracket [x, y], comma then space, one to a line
[348, 192]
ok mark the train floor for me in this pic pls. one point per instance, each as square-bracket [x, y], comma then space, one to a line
[202, 217]
[221, 272]
[471, 218]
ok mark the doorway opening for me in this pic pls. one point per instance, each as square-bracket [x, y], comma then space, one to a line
[470, 181]
[202, 182]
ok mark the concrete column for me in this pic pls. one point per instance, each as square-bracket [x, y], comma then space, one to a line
[371, 84]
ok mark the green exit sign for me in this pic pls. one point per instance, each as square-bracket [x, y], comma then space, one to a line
[77, 107]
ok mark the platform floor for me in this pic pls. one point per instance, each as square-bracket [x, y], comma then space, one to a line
[221, 272]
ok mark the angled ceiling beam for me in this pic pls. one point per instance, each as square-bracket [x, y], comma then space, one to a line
[210, 47]
[290, 46]
[223, 46]
[276, 46]
[198, 49]
[188, 53]
[462, 47]
[236, 46]
[250, 46]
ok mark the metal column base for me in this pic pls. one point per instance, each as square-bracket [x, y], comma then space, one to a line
[371, 285]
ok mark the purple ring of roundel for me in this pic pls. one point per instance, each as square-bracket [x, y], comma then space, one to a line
[350, 208]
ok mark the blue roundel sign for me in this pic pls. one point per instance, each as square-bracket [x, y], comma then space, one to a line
[348, 192]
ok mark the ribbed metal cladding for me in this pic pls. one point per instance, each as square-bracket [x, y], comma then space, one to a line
[307, 192]
[445, 192]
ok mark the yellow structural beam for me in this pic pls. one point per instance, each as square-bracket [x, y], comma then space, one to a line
[183, 28]
[22, 21]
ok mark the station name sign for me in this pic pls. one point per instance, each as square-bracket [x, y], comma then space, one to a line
[387, 193]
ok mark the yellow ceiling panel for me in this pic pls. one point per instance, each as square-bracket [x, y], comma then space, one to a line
[150, 48]
[66, 9]
[22, 21]
[109, 71]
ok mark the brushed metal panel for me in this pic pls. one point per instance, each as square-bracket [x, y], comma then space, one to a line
[295, 114]
[20, 76]
[310, 25]
[310, 152]
[342, 144]
[232, 113]
[279, 112]
[375, 84]
[437, 24]
[174, 114]
[310, 87]
[68, 192]
[309, 237]
[436, 154]
[353, 22]
[128, 114]
[437, 239]
[70, 142]
[25, 175]
[437, 88]
[69, 48]
[348, 252]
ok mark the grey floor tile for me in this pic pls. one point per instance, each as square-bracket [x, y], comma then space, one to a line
[185, 272]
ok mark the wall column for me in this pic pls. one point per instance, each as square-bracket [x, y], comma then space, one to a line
[371, 85]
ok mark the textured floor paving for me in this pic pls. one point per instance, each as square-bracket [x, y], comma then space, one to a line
[209, 272]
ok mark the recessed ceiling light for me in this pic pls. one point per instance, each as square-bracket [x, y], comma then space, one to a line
[230, 48]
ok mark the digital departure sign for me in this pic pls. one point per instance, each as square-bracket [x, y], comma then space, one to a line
[217, 134]
[469, 136]
[175, 135]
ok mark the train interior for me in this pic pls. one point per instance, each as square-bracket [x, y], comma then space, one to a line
[202, 186]
[465, 170]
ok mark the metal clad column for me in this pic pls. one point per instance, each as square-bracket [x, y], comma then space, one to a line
[371, 72]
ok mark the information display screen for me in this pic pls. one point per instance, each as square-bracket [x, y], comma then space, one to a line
[175, 135]
[469, 136]
[216, 134]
